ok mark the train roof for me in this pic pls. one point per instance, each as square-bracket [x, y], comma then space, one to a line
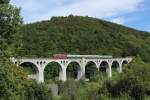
[89, 56]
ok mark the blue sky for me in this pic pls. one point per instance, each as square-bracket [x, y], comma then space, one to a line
[132, 13]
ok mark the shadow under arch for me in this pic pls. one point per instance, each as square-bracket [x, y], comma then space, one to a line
[103, 66]
[115, 66]
[31, 69]
[52, 71]
[73, 70]
[90, 70]
[124, 63]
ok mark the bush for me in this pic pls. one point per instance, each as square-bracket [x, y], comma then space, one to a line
[13, 81]
[68, 90]
[134, 81]
[38, 92]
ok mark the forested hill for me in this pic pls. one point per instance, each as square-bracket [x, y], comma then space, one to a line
[83, 35]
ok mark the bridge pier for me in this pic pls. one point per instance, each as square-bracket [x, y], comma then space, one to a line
[80, 74]
[62, 74]
[83, 64]
[41, 76]
[83, 73]
[120, 68]
[109, 70]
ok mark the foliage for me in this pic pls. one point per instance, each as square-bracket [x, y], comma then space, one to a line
[10, 21]
[4, 1]
[72, 35]
[83, 35]
[38, 92]
[13, 81]
[134, 82]
[52, 71]
[68, 90]
[15, 85]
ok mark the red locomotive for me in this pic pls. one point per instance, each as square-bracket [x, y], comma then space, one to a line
[59, 56]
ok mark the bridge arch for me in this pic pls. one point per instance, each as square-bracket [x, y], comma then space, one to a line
[103, 67]
[52, 70]
[73, 70]
[31, 68]
[124, 63]
[91, 69]
[115, 66]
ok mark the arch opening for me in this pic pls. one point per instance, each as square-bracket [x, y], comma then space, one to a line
[90, 70]
[52, 71]
[31, 70]
[29, 67]
[115, 68]
[73, 70]
[103, 66]
[124, 63]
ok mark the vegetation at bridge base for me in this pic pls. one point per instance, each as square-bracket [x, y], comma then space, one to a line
[73, 35]
[13, 81]
[14, 85]
[132, 84]
[38, 91]
[134, 81]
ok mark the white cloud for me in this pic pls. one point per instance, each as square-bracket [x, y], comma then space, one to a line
[118, 20]
[45, 9]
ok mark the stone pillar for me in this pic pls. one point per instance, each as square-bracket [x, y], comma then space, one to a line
[80, 73]
[109, 69]
[120, 67]
[41, 76]
[83, 68]
[62, 74]
[41, 68]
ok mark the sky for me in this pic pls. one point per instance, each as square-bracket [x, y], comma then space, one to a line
[131, 13]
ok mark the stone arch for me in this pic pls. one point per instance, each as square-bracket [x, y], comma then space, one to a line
[93, 62]
[31, 69]
[52, 70]
[124, 62]
[91, 69]
[115, 65]
[103, 66]
[73, 70]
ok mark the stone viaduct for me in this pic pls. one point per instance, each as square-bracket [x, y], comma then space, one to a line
[82, 60]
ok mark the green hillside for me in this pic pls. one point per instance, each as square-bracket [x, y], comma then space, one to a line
[82, 35]
[73, 35]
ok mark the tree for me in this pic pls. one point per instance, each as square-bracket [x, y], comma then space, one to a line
[4, 1]
[10, 21]
[38, 92]
[13, 82]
